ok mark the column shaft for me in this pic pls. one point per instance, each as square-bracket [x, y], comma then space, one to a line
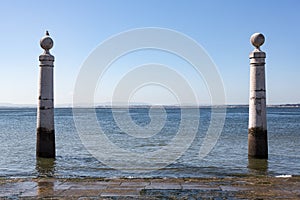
[257, 132]
[45, 145]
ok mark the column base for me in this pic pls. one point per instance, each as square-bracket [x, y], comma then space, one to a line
[45, 143]
[257, 143]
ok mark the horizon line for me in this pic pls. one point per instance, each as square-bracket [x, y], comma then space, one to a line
[101, 105]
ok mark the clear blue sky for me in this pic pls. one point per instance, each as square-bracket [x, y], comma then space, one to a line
[222, 27]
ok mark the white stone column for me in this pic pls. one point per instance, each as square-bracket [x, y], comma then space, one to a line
[45, 146]
[257, 130]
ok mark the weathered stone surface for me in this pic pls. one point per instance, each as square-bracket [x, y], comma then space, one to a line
[119, 192]
[197, 186]
[135, 184]
[262, 187]
[164, 185]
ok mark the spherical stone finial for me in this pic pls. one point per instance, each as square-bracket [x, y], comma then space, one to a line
[257, 39]
[46, 42]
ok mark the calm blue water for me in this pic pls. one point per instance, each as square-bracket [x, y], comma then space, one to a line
[228, 157]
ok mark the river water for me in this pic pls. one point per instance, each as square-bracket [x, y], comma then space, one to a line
[227, 158]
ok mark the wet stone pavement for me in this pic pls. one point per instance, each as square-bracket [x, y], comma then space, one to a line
[168, 188]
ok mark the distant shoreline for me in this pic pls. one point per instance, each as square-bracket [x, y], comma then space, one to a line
[153, 106]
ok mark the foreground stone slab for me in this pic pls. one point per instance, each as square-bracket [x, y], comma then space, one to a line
[261, 187]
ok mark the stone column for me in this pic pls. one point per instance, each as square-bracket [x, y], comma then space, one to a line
[257, 132]
[45, 145]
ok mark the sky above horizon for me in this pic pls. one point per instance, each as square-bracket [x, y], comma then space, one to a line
[222, 28]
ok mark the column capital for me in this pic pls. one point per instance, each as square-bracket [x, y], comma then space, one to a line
[46, 59]
[257, 40]
[257, 56]
[46, 43]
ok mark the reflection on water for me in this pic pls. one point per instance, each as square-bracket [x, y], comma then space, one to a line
[258, 166]
[45, 188]
[45, 167]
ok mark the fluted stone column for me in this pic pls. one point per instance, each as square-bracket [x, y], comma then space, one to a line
[45, 145]
[257, 132]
